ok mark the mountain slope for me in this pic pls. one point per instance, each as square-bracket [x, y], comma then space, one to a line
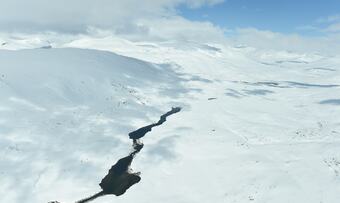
[256, 126]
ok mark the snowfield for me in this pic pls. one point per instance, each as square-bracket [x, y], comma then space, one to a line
[256, 126]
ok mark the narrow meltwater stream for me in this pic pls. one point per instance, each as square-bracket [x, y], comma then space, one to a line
[120, 177]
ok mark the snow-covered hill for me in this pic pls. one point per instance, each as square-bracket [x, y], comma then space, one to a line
[256, 126]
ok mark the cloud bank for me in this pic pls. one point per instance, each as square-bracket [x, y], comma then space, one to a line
[269, 40]
[156, 20]
[78, 15]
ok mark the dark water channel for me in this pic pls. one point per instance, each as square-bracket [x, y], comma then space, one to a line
[120, 178]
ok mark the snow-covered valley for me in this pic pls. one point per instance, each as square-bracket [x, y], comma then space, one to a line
[256, 126]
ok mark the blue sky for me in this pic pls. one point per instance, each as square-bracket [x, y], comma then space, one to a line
[285, 16]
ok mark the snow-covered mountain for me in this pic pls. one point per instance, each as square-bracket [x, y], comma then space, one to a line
[256, 126]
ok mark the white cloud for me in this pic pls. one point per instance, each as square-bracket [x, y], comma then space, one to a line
[155, 20]
[264, 39]
[335, 27]
[199, 3]
[77, 15]
[329, 24]
[308, 28]
[329, 19]
[182, 29]
[132, 19]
